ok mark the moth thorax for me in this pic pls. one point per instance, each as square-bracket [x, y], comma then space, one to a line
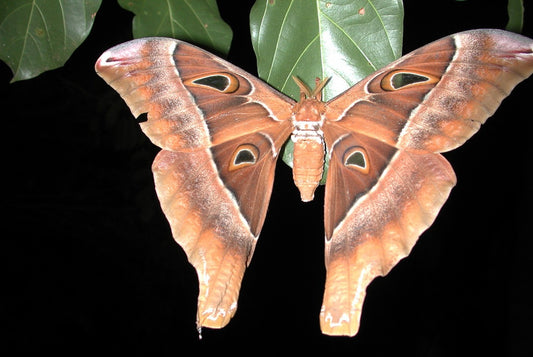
[307, 120]
[307, 130]
[308, 165]
[307, 135]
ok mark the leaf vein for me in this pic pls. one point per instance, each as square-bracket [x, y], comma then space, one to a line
[286, 15]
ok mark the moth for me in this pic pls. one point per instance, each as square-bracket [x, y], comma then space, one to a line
[221, 130]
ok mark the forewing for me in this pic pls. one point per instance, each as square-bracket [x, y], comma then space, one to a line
[435, 98]
[191, 98]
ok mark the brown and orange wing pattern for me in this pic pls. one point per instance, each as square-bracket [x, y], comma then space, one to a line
[221, 130]
[435, 98]
[386, 181]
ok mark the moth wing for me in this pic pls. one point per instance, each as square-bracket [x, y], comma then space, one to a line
[221, 130]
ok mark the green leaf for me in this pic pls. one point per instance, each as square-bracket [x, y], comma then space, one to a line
[195, 21]
[515, 9]
[39, 35]
[343, 39]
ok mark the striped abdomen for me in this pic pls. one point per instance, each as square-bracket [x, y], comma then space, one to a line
[308, 164]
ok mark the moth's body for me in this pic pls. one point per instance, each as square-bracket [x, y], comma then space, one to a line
[309, 146]
[221, 131]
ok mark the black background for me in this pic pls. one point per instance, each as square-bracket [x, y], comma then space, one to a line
[91, 267]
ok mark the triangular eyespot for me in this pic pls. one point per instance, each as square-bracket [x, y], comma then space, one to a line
[245, 155]
[220, 81]
[356, 158]
[400, 79]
